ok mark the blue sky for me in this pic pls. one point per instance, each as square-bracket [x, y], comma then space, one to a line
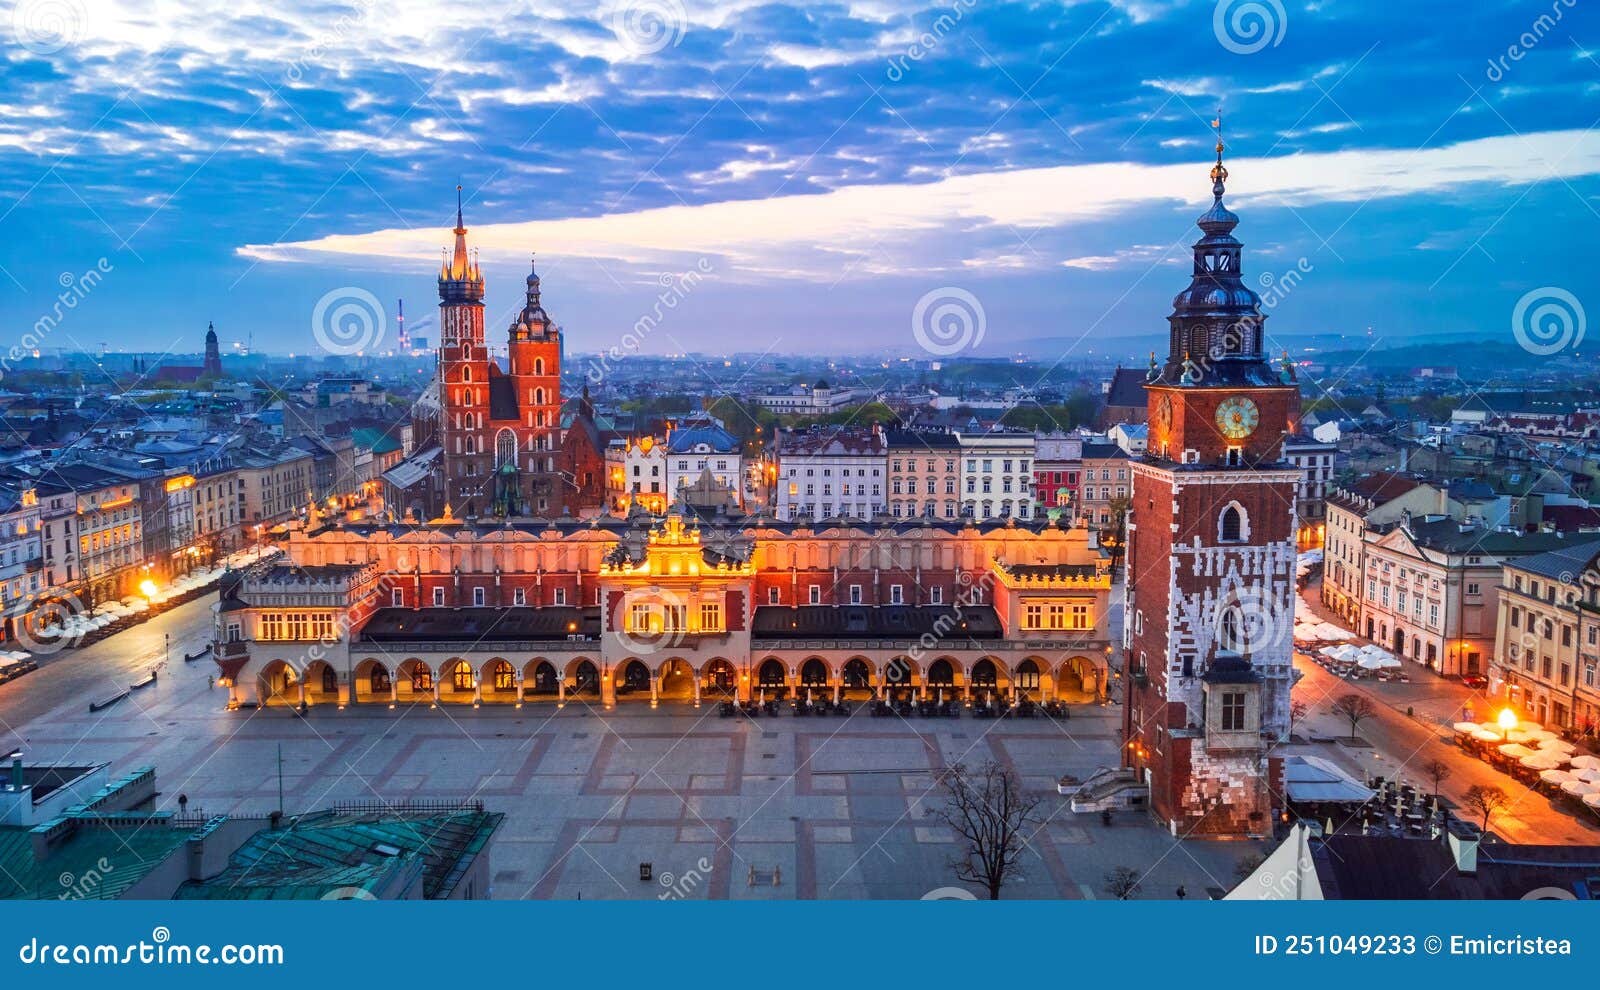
[823, 167]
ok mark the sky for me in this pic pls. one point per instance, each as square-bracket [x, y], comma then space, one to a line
[917, 178]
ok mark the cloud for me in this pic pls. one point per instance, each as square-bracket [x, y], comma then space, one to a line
[901, 227]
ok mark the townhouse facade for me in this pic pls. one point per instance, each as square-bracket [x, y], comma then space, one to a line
[1546, 659]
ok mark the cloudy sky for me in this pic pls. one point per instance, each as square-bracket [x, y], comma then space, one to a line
[822, 168]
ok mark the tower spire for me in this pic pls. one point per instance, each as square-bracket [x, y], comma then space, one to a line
[1219, 171]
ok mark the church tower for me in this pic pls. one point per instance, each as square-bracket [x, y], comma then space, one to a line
[213, 362]
[1211, 556]
[463, 380]
[528, 423]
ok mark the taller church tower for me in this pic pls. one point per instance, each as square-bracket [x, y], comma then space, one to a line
[463, 380]
[1211, 556]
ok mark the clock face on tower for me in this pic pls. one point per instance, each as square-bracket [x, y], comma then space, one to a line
[1237, 417]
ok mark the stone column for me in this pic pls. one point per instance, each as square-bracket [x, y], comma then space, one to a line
[655, 690]
[561, 690]
[608, 690]
[695, 676]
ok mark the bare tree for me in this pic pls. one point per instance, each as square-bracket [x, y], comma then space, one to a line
[992, 818]
[1485, 800]
[1247, 864]
[1354, 708]
[1298, 710]
[1437, 771]
[1122, 883]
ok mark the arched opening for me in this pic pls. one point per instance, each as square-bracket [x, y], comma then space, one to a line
[413, 682]
[278, 684]
[677, 679]
[857, 677]
[540, 679]
[322, 684]
[505, 448]
[1079, 681]
[1231, 527]
[899, 677]
[942, 674]
[372, 682]
[499, 681]
[718, 679]
[1027, 679]
[772, 678]
[585, 678]
[634, 678]
[458, 682]
[814, 673]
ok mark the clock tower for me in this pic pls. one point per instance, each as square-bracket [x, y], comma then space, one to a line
[1211, 556]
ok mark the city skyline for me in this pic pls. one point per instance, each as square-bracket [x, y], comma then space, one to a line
[808, 164]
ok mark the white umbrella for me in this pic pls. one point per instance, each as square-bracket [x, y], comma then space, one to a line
[1466, 728]
[1486, 735]
[1515, 750]
[1543, 761]
[1586, 762]
[1587, 774]
[1592, 800]
[1556, 777]
[1557, 746]
[1578, 788]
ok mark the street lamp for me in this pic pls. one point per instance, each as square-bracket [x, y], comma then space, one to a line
[1507, 721]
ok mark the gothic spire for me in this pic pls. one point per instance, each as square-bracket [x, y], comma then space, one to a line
[460, 279]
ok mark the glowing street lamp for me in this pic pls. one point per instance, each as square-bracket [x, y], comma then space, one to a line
[147, 588]
[1507, 721]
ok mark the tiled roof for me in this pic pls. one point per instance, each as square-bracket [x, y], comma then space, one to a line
[875, 622]
[1562, 564]
[480, 625]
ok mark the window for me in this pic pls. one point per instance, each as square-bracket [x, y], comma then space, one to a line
[772, 596]
[397, 598]
[1472, 588]
[477, 597]
[815, 593]
[936, 595]
[561, 596]
[1233, 711]
[1231, 529]
[855, 594]
[896, 595]
[711, 617]
[438, 598]
[519, 596]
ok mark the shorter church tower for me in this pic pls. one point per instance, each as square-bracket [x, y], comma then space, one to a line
[213, 363]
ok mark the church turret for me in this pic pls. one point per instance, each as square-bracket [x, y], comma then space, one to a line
[213, 362]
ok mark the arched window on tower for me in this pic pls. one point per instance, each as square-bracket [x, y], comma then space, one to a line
[538, 396]
[505, 448]
[538, 366]
[466, 374]
[1231, 528]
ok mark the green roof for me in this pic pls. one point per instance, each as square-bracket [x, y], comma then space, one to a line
[378, 441]
[345, 856]
[101, 859]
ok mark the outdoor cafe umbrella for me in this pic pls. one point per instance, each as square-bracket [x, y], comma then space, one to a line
[1578, 788]
[1592, 800]
[1557, 746]
[1466, 728]
[1515, 750]
[1487, 736]
[1586, 762]
[1555, 777]
[1587, 774]
[1543, 761]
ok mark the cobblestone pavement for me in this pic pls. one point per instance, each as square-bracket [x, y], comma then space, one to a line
[829, 808]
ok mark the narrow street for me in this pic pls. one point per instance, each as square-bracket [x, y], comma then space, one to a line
[1399, 744]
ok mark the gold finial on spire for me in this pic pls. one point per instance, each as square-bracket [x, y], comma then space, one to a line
[1219, 171]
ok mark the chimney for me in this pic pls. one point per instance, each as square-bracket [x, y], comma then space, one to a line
[17, 780]
[1464, 839]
